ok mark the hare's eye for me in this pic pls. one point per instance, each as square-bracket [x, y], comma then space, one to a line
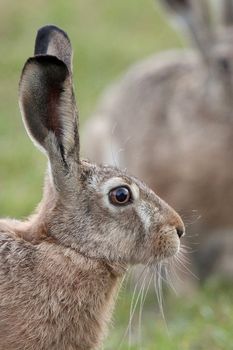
[120, 196]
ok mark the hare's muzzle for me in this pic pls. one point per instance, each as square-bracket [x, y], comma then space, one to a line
[174, 221]
[167, 240]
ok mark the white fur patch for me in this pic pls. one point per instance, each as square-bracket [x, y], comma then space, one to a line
[144, 213]
[148, 213]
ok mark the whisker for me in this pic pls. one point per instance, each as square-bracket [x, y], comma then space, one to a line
[133, 309]
[140, 311]
[168, 278]
[162, 272]
[133, 304]
[181, 266]
[159, 291]
[186, 250]
[142, 302]
[111, 145]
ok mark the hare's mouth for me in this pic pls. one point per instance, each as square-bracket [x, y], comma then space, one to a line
[167, 244]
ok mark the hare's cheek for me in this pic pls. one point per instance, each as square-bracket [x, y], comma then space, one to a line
[166, 244]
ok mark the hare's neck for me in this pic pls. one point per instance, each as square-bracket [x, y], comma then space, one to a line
[89, 291]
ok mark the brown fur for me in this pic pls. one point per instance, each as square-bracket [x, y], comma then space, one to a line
[60, 270]
[52, 297]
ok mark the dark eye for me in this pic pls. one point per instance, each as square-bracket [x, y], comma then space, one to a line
[120, 196]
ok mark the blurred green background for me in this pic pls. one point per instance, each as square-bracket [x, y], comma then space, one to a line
[107, 37]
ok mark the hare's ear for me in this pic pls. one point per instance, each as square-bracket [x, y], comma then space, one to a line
[176, 5]
[227, 12]
[48, 105]
[51, 40]
[196, 16]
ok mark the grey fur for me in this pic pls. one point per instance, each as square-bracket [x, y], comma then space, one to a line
[61, 268]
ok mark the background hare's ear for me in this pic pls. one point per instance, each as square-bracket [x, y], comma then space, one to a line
[227, 12]
[176, 5]
[47, 100]
[196, 15]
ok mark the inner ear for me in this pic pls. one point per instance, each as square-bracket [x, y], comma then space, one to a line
[48, 104]
[41, 103]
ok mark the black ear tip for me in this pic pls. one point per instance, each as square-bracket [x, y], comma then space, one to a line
[48, 29]
[177, 4]
[44, 36]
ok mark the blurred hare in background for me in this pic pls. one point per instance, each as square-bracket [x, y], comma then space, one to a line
[175, 110]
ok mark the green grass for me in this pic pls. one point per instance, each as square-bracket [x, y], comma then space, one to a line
[107, 37]
[201, 321]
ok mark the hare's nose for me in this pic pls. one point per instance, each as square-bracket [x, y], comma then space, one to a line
[180, 231]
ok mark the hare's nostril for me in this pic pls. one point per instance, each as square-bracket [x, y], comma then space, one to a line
[180, 231]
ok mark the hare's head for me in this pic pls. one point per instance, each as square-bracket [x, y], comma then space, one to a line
[100, 211]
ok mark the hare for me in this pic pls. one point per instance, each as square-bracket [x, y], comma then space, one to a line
[169, 120]
[60, 270]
